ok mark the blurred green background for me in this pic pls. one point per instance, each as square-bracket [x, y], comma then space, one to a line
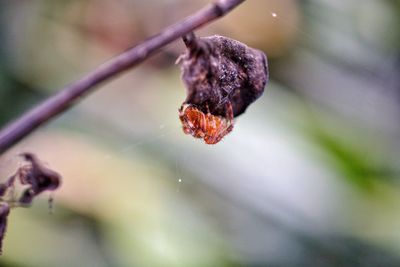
[308, 177]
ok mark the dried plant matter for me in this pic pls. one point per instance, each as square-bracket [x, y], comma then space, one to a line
[222, 76]
[4, 211]
[38, 177]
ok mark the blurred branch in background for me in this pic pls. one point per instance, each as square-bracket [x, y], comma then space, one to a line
[67, 96]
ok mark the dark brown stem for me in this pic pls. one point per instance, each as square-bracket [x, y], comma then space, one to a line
[189, 40]
[68, 96]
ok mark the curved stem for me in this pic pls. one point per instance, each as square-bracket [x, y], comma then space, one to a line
[189, 40]
[69, 95]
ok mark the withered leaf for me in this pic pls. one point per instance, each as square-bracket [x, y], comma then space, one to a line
[222, 78]
[217, 70]
[39, 177]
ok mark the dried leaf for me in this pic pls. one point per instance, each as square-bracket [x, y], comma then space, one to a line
[39, 177]
[223, 77]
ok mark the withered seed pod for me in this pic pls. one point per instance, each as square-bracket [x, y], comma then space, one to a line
[223, 77]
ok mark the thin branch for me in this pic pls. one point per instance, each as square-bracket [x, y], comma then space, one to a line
[69, 95]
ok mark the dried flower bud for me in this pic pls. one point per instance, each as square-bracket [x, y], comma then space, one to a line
[223, 77]
[4, 211]
[39, 177]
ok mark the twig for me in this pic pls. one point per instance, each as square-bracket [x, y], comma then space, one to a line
[68, 96]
